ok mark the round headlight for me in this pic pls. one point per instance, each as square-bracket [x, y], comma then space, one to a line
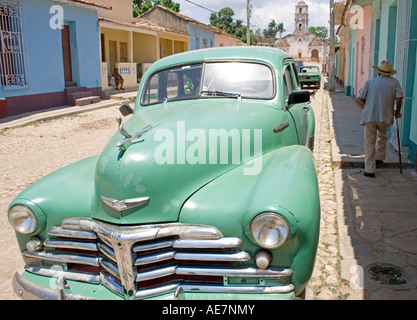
[23, 219]
[269, 230]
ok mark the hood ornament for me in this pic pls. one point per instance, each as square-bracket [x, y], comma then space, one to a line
[121, 205]
[129, 139]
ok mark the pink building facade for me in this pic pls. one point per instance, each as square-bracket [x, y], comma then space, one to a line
[363, 44]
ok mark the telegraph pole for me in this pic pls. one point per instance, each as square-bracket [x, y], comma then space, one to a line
[332, 53]
[248, 23]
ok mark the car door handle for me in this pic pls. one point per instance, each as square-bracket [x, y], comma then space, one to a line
[306, 108]
[281, 127]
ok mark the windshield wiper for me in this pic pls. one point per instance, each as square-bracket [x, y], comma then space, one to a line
[237, 95]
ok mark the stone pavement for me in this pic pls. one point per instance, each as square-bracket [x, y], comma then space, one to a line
[48, 114]
[377, 217]
[368, 228]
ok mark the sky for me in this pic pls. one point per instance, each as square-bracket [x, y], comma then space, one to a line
[263, 11]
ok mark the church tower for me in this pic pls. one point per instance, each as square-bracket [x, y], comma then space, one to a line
[301, 16]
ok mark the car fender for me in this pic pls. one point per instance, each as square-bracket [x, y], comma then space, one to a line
[65, 193]
[287, 185]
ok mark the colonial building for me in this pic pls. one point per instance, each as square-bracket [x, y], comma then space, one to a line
[371, 31]
[48, 49]
[302, 44]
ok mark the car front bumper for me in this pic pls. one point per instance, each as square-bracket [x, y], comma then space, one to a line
[61, 289]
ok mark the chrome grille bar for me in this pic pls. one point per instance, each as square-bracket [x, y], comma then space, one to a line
[61, 232]
[89, 246]
[63, 257]
[238, 256]
[207, 243]
[129, 258]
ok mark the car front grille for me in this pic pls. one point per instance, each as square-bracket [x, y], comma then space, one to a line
[149, 260]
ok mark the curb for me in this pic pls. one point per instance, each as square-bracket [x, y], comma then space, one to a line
[53, 113]
[348, 262]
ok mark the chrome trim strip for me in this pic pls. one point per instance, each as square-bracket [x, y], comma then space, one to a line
[146, 293]
[239, 256]
[111, 284]
[154, 258]
[110, 267]
[107, 251]
[61, 232]
[63, 257]
[69, 275]
[70, 245]
[237, 289]
[207, 243]
[153, 246]
[156, 273]
[230, 272]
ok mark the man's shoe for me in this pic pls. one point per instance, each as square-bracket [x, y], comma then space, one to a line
[379, 163]
[370, 175]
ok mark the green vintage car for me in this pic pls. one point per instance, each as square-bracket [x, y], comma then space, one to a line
[207, 190]
[309, 76]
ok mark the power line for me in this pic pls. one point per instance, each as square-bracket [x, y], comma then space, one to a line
[198, 5]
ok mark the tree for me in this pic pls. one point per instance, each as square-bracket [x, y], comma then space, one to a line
[320, 32]
[280, 29]
[273, 29]
[224, 21]
[141, 6]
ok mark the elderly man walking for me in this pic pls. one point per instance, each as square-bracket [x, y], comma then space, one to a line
[379, 95]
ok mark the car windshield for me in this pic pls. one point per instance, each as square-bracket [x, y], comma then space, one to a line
[309, 69]
[219, 79]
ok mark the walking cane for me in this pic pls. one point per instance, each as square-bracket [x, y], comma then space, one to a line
[399, 147]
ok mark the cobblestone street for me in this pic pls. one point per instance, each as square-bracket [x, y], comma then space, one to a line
[326, 282]
[30, 152]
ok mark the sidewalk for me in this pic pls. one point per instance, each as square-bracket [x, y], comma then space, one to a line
[377, 217]
[47, 114]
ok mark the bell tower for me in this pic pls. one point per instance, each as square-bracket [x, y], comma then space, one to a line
[301, 16]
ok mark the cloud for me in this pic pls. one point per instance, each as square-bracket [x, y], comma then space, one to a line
[263, 11]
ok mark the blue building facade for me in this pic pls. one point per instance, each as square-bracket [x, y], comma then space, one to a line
[203, 36]
[45, 47]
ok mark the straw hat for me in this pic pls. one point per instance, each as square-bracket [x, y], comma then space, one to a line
[385, 68]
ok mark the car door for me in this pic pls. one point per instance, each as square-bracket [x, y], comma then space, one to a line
[299, 111]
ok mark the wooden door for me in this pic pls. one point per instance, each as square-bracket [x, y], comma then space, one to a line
[112, 55]
[66, 53]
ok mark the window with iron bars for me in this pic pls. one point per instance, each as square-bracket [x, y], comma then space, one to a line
[12, 55]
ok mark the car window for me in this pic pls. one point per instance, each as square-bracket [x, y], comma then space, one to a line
[250, 80]
[172, 84]
[220, 79]
[287, 82]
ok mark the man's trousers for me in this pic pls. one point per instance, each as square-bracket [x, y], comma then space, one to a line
[375, 134]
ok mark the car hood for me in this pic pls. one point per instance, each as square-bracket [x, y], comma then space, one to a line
[177, 157]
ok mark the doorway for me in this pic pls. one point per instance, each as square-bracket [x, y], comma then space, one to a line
[66, 53]
[112, 55]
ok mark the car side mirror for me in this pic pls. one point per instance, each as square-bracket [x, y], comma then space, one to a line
[125, 109]
[299, 97]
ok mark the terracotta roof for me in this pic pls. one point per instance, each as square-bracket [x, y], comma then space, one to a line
[136, 24]
[88, 3]
[181, 16]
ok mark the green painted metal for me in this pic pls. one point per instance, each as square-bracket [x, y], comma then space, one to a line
[280, 177]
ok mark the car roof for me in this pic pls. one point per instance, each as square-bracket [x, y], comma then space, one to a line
[255, 53]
